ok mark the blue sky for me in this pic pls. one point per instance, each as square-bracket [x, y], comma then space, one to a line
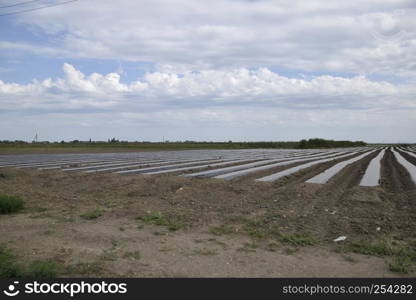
[223, 70]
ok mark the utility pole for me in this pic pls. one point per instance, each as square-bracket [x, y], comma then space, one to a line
[35, 140]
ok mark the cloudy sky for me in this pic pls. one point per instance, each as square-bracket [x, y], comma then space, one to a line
[241, 70]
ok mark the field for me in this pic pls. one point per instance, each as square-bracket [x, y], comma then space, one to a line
[213, 213]
[113, 145]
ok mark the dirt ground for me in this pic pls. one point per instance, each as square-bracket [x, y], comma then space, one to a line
[170, 226]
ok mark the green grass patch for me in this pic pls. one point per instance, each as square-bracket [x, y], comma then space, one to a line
[8, 266]
[222, 229]
[401, 264]
[43, 269]
[403, 258]
[157, 218]
[133, 255]
[91, 215]
[272, 247]
[10, 204]
[259, 227]
[298, 239]
[379, 248]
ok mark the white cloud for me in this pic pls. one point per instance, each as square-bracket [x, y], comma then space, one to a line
[364, 37]
[213, 87]
[217, 103]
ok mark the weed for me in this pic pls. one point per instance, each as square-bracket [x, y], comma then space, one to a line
[401, 264]
[260, 227]
[43, 269]
[157, 233]
[403, 258]
[222, 229]
[134, 255]
[38, 268]
[114, 244]
[10, 204]
[121, 228]
[298, 239]
[157, 218]
[8, 266]
[174, 226]
[94, 214]
[379, 248]
[272, 247]
[108, 255]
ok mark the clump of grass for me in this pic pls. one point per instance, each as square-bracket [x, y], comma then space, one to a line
[401, 264]
[222, 229]
[43, 269]
[8, 266]
[174, 226]
[260, 227]
[157, 233]
[10, 204]
[157, 218]
[38, 268]
[90, 215]
[272, 247]
[134, 255]
[108, 255]
[114, 244]
[298, 239]
[403, 258]
[379, 248]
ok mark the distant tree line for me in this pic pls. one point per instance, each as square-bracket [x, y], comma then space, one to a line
[303, 144]
[322, 143]
[12, 142]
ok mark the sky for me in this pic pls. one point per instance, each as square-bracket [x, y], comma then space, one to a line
[218, 70]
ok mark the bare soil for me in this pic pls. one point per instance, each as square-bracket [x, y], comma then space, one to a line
[121, 242]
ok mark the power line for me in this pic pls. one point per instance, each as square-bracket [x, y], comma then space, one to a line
[37, 8]
[21, 3]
